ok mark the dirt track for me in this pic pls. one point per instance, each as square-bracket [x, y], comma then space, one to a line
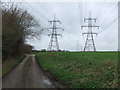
[33, 78]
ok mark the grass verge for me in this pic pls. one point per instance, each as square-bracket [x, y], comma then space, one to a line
[9, 64]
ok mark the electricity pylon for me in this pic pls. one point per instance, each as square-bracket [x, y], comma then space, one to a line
[89, 43]
[53, 45]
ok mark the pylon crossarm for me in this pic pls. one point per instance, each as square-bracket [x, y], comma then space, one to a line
[55, 35]
[90, 19]
[48, 29]
[59, 21]
[49, 35]
[60, 28]
[59, 35]
[96, 26]
[89, 33]
[89, 26]
[55, 28]
[54, 21]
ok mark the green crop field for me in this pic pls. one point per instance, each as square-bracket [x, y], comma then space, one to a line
[82, 69]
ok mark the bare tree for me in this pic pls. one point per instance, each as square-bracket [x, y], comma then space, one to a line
[17, 26]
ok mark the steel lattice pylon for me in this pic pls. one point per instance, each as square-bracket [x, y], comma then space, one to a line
[53, 45]
[90, 44]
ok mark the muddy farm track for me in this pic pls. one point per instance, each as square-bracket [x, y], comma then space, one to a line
[27, 74]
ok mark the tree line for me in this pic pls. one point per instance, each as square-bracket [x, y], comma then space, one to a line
[17, 26]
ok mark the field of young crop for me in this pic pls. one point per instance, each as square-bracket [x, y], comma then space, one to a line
[82, 69]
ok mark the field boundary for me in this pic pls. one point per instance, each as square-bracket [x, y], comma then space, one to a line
[57, 83]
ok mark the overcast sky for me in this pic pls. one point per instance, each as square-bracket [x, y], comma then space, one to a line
[71, 15]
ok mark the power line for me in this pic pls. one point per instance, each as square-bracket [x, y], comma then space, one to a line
[85, 8]
[80, 11]
[36, 11]
[100, 10]
[45, 9]
[108, 15]
[110, 24]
